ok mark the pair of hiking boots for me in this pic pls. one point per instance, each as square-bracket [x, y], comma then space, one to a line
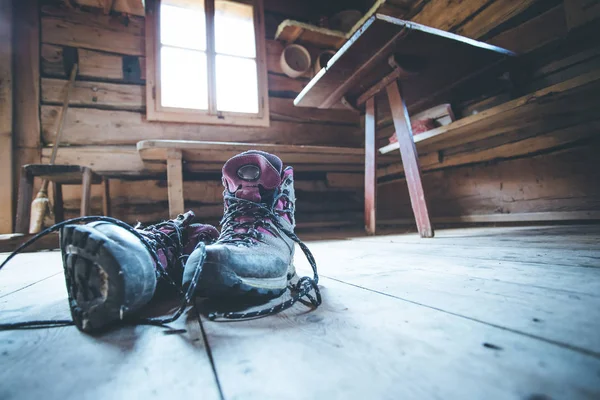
[113, 270]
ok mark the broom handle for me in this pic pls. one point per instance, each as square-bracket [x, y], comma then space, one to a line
[63, 115]
[61, 123]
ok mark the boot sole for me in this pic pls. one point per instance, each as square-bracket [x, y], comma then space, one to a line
[218, 281]
[104, 280]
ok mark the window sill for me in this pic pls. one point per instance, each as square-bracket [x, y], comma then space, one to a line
[186, 117]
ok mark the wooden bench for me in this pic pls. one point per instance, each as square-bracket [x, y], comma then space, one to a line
[200, 156]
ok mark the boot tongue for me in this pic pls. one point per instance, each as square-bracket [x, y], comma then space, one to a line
[246, 174]
[182, 220]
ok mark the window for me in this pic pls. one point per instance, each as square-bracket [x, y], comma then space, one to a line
[206, 62]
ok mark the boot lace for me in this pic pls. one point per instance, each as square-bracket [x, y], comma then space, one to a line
[240, 227]
[153, 239]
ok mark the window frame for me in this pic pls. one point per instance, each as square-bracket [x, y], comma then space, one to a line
[156, 112]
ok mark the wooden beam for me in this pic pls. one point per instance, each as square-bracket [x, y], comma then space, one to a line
[26, 97]
[27, 74]
[86, 126]
[6, 117]
[175, 183]
[498, 12]
[534, 33]
[370, 167]
[95, 94]
[77, 28]
[504, 218]
[410, 160]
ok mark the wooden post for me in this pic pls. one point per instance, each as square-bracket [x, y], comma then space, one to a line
[370, 167]
[6, 120]
[175, 182]
[86, 192]
[59, 209]
[410, 160]
[24, 202]
[26, 88]
[106, 197]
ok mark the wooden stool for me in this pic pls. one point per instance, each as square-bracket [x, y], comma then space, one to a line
[59, 175]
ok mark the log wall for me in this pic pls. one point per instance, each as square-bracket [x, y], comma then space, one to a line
[107, 111]
[106, 117]
[537, 162]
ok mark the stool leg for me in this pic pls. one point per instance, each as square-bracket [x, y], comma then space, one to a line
[59, 210]
[86, 191]
[24, 202]
[106, 197]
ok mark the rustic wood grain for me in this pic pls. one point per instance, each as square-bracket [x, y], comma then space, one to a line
[480, 355]
[132, 97]
[100, 127]
[558, 182]
[77, 28]
[174, 364]
[581, 12]
[444, 278]
[553, 116]
[6, 117]
[99, 94]
[26, 78]
[175, 183]
[370, 183]
[534, 33]
[498, 12]
[410, 160]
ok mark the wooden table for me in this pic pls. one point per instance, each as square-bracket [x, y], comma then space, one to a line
[417, 66]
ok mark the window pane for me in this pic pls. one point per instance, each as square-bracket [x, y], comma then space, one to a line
[237, 84]
[183, 27]
[184, 81]
[234, 29]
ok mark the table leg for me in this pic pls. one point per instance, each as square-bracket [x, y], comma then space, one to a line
[175, 182]
[106, 197]
[59, 211]
[24, 202]
[410, 160]
[86, 192]
[370, 167]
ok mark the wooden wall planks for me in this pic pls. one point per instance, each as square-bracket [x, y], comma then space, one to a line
[77, 28]
[87, 126]
[95, 94]
[6, 116]
[108, 101]
[560, 181]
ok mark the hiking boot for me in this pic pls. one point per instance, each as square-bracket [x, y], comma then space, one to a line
[253, 255]
[112, 270]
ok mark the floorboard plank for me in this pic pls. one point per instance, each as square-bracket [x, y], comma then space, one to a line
[360, 344]
[126, 362]
[25, 270]
[545, 297]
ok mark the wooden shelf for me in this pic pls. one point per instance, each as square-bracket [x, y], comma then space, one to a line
[505, 120]
[291, 31]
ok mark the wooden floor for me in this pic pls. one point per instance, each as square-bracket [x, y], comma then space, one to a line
[494, 313]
